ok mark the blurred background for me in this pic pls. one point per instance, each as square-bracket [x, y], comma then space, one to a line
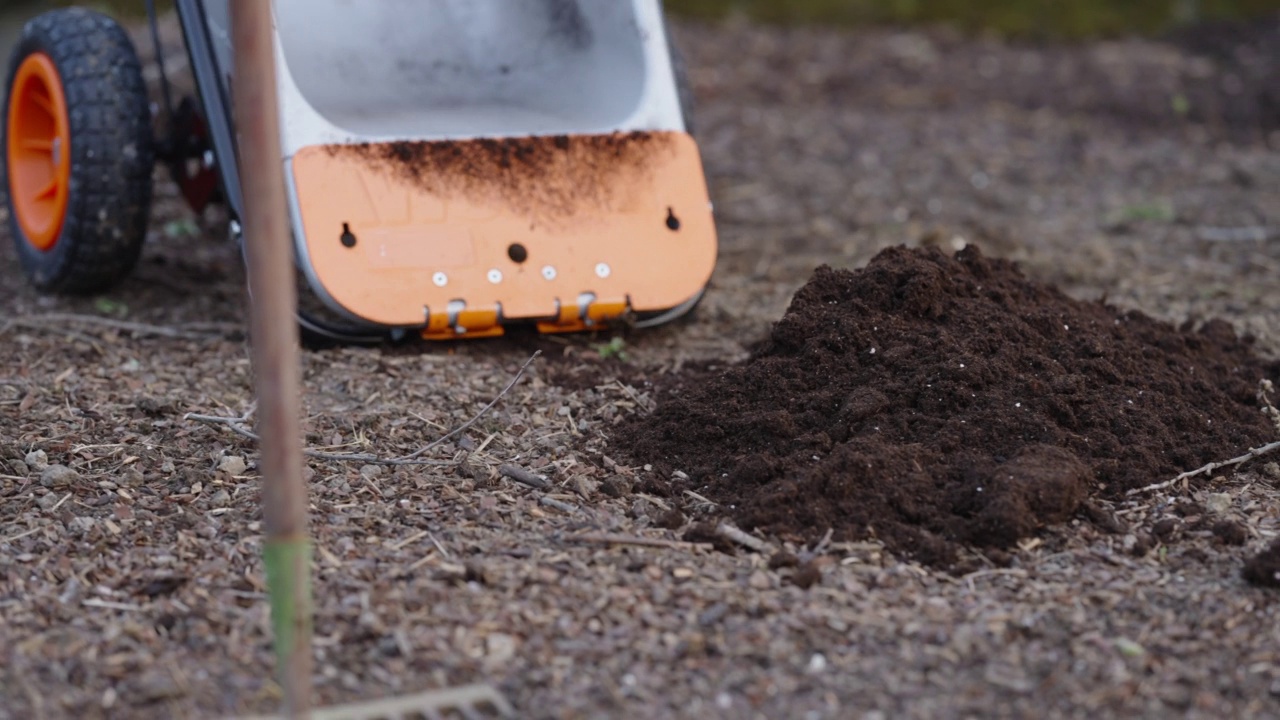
[1062, 19]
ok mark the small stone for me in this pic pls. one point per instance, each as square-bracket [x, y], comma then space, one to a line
[167, 467]
[641, 508]
[370, 472]
[58, 476]
[500, 647]
[220, 499]
[152, 687]
[759, 580]
[37, 460]
[1218, 503]
[232, 465]
[80, 525]
[46, 502]
[585, 487]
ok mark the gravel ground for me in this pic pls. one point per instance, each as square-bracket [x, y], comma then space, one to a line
[130, 580]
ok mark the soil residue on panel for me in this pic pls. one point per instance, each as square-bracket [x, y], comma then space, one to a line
[545, 178]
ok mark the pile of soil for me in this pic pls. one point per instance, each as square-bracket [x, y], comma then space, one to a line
[934, 401]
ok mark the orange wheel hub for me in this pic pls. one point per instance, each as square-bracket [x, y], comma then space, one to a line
[39, 148]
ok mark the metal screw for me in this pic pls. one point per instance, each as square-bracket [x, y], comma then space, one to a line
[549, 272]
[440, 279]
[495, 276]
[603, 270]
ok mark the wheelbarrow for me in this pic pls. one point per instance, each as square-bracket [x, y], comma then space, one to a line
[454, 167]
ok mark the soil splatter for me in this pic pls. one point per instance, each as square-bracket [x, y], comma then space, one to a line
[547, 178]
[935, 401]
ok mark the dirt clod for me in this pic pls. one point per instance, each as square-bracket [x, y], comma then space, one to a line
[806, 576]
[1263, 569]
[783, 559]
[672, 519]
[615, 487]
[934, 401]
[1165, 528]
[1231, 532]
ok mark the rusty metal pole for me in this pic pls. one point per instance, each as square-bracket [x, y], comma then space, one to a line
[274, 335]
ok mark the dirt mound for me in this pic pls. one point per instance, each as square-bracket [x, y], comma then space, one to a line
[932, 401]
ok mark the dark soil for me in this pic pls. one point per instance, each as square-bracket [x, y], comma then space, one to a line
[934, 401]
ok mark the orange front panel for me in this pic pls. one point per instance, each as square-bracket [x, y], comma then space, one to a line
[527, 225]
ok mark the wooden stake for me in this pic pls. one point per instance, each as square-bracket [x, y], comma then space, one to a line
[274, 335]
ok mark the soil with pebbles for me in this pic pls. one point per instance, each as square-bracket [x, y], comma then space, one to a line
[131, 582]
[928, 401]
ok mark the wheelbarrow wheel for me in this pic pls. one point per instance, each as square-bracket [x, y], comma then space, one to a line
[78, 152]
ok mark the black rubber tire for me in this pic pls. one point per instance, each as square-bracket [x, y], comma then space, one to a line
[112, 152]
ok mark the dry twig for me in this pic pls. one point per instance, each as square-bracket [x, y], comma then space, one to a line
[557, 504]
[1254, 453]
[1265, 388]
[751, 542]
[818, 549]
[614, 539]
[236, 424]
[524, 477]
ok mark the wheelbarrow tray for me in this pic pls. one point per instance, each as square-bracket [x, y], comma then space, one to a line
[455, 166]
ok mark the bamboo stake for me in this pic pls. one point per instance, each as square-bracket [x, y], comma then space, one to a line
[274, 335]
